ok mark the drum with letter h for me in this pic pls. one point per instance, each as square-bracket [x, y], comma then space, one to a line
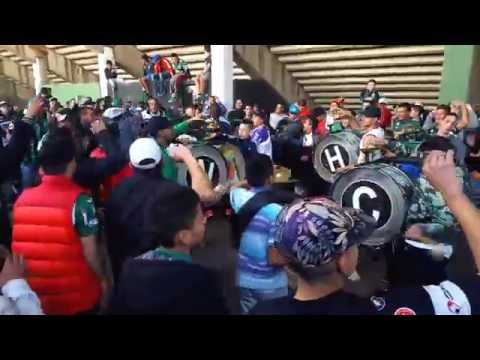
[334, 152]
[382, 191]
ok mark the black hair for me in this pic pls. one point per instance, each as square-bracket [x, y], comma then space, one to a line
[53, 99]
[319, 111]
[259, 169]
[405, 105]
[436, 143]
[109, 62]
[373, 81]
[302, 102]
[145, 57]
[417, 108]
[175, 55]
[444, 107]
[170, 213]
[57, 151]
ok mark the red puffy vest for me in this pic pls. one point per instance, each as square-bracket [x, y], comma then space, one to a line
[110, 182]
[43, 232]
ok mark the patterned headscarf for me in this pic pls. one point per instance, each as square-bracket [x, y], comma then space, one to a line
[318, 231]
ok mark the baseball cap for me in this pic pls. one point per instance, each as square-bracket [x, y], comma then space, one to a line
[62, 114]
[157, 123]
[293, 109]
[87, 102]
[318, 111]
[383, 101]
[372, 112]
[113, 112]
[145, 153]
[315, 232]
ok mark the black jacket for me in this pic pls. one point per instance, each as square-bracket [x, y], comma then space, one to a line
[12, 155]
[90, 172]
[167, 288]
[127, 213]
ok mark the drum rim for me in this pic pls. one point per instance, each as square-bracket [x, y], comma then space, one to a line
[380, 232]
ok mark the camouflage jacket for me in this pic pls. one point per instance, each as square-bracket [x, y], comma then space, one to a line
[429, 210]
[408, 136]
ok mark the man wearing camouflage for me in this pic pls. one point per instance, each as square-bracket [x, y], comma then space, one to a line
[428, 215]
[407, 133]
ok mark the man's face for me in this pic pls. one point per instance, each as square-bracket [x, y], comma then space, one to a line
[280, 109]
[368, 122]
[447, 124]
[371, 86]
[189, 112]
[257, 121]
[175, 60]
[244, 131]
[348, 261]
[439, 115]
[165, 135]
[239, 104]
[345, 122]
[152, 106]
[248, 111]
[414, 113]
[196, 234]
[87, 117]
[333, 106]
[403, 113]
[4, 109]
[307, 126]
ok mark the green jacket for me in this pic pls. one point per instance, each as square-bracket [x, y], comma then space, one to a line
[169, 166]
[40, 127]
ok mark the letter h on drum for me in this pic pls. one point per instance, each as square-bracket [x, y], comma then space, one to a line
[331, 159]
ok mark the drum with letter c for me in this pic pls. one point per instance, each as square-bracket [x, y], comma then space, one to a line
[382, 191]
[334, 152]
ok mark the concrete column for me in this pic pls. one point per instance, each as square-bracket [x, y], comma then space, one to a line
[222, 73]
[461, 74]
[102, 64]
[40, 73]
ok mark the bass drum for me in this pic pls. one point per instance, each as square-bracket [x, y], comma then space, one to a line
[211, 160]
[382, 191]
[334, 152]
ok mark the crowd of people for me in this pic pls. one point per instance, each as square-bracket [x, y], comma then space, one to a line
[93, 219]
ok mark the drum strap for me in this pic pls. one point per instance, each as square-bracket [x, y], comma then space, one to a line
[242, 219]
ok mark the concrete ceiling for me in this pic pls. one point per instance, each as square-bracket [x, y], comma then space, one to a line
[403, 72]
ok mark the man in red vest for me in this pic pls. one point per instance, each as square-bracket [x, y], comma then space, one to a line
[55, 229]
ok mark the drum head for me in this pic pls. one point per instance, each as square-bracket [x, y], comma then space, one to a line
[211, 160]
[234, 160]
[334, 152]
[382, 191]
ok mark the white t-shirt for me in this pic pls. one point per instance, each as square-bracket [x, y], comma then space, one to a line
[275, 119]
[308, 140]
[375, 155]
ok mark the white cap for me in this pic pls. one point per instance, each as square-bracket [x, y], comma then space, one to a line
[113, 112]
[383, 101]
[146, 151]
